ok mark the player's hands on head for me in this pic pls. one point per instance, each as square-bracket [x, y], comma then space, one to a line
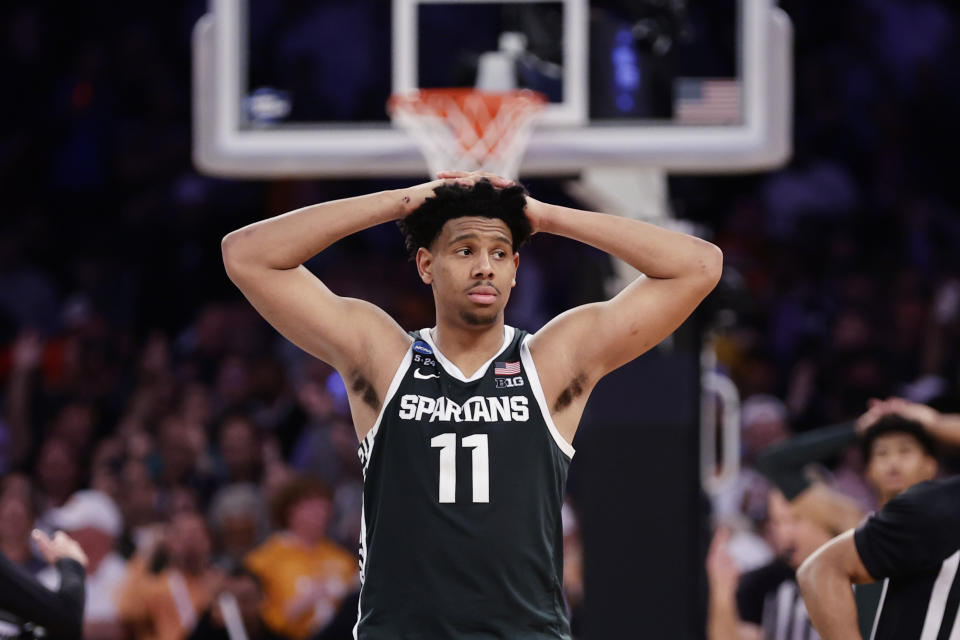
[877, 409]
[59, 547]
[470, 178]
[417, 194]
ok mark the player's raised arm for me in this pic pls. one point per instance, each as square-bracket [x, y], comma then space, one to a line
[578, 347]
[265, 260]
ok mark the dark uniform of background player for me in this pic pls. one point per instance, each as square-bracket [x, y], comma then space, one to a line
[913, 543]
[472, 546]
[28, 609]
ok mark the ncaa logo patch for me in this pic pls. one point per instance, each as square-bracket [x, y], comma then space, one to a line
[422, 347]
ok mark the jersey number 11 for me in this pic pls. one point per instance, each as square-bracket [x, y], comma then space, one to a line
[447, 443]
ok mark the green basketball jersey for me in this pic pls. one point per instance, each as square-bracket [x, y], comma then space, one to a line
[463, 484]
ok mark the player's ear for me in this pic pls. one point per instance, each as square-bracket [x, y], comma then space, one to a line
[516, 265]
[425, 265]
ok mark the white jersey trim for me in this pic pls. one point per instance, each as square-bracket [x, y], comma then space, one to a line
[454, 370]
[527, 358]
[366, 447]
[367, 443]
[938, 598]
[876, 618]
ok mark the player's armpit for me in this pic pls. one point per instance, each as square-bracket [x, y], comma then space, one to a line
[580, 346]
[355, 337]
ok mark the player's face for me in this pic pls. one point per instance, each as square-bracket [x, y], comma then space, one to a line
[897, 462]
[471, 267]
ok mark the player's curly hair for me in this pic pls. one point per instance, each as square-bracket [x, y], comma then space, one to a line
[449, 201]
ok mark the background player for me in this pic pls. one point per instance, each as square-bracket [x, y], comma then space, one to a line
[465, 230]
[913, 543]
[899, 452]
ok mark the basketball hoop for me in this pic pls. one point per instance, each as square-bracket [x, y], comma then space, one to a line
[469, 129]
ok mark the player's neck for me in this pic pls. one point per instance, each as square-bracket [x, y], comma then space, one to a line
[468, 347]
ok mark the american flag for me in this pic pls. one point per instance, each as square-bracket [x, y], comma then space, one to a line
[506, 368]
[707, 101]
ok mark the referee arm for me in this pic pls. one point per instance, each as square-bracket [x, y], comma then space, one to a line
[59, 612]
[826, 580]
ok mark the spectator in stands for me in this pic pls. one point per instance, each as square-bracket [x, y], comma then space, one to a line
[138, 502]
[94, 521]
[179, 453]
[305, 576]
[238, 605]
[16, 522]
[239, 520]
[241, 450]
[765, 602]
[57, 475]
[164, 602]
[742, 504]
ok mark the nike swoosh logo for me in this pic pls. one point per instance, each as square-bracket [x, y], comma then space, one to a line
[423, 376]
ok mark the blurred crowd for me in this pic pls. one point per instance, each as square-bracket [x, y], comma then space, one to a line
[197, 456]
[841, 284]
[841, 274]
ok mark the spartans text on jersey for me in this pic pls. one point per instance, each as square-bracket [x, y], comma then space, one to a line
[474, 409]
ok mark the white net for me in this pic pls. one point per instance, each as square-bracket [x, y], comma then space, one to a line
[467, 129]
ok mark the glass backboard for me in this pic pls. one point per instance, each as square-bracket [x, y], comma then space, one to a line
[284, 87]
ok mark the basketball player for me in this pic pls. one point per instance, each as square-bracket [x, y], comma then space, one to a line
[899, 453]
[466, 427]
[913, 544]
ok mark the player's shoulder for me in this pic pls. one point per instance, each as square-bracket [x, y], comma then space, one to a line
[934, 501]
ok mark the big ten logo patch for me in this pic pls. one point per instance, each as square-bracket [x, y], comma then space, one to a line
[426, 361]
[508, 383]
